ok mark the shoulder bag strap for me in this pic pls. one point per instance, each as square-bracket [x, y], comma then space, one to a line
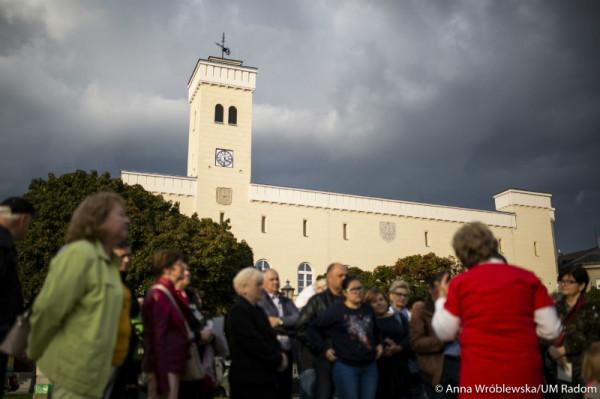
[174, 303]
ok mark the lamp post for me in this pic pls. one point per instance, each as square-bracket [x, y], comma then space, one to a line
[288, 290]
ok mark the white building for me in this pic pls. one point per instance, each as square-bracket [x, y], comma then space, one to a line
[299, 232]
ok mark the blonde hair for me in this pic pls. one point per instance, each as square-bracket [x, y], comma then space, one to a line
[245, 277]
[590, 366]
[399, 284]
[89, 216]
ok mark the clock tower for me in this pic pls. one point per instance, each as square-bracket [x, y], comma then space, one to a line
[220, 134]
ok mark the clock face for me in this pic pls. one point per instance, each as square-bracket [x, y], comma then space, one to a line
[224, 158]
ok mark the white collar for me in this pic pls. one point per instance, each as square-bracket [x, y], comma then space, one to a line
[493, 259]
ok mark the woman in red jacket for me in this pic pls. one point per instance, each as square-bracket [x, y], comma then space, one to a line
[166, 339]
[500, 311]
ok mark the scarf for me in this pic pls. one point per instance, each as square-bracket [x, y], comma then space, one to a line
[569, 318]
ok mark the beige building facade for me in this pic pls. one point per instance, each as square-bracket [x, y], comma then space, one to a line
[299, 232]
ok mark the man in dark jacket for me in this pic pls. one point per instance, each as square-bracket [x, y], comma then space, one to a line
[311, 358]
[283, 317]
[15, 217]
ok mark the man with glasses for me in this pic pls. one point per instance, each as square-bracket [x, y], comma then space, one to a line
[399, 293]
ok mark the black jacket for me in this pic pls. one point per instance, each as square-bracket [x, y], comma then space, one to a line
[310, 312]
[255, 351]
[11, 297]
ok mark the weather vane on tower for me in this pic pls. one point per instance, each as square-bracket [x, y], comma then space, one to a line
[224, 50]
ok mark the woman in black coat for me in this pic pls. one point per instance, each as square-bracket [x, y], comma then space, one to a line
[256, 355]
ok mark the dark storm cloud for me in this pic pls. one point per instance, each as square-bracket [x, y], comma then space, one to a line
[433, 101]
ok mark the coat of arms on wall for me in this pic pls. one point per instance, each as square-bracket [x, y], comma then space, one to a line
[387, 231]
[224, 195]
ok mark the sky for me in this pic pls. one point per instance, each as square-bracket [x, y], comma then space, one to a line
[444, 102]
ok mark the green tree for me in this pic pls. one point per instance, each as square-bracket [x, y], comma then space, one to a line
[414, 269]
[593, 296]
[215, 256]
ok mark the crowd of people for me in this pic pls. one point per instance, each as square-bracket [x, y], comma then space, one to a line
[491, 331]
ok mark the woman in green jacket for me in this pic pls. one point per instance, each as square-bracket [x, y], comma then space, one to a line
[75, 316]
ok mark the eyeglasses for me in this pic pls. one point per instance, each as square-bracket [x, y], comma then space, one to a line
[569, 282]
[402, 294]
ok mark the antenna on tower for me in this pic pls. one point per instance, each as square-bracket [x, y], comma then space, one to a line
[224, 50]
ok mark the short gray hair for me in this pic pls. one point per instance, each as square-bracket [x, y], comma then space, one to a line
[270, 271]
[399, 284]
[245, 277]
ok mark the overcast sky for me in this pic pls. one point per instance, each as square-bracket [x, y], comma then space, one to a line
[445, 102]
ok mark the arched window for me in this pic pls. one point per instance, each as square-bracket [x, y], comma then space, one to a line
[262, 265]
[232, 116]
[219, 113]
[304, 276]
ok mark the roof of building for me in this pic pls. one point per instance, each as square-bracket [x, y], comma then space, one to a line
[587, 257]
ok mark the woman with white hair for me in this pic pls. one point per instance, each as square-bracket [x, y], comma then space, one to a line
[256, 355]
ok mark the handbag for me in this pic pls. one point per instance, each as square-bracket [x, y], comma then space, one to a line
[15, 342]
[193, 368]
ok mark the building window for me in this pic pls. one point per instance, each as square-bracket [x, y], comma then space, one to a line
[263, 224]
[232, 116]
[221, 217]
[304, 276]
[427, 239]
[535, 249]
[345, 231]
[218, 113]
[500, 245]
[305, 228]
[262, 265]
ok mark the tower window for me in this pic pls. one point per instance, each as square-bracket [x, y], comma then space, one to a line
[218, 113]
[263, 224]
[535, 249]
[221, 217]
[232, 116]
[345, 231]
[427, 239]
[305, 228]
[500, 245]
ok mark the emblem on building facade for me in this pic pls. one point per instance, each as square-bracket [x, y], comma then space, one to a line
[387, 231]
[224, 195]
